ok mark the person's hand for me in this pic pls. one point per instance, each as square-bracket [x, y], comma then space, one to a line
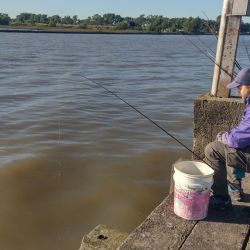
[221, 137]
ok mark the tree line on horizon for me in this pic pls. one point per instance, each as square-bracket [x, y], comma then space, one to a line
[151, 23]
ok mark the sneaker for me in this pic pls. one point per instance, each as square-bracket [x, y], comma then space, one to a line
[220, 202]
[235, 191]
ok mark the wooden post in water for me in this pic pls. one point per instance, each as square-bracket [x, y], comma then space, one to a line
[232, 12]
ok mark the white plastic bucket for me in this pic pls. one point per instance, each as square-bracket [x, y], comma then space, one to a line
[193, 181]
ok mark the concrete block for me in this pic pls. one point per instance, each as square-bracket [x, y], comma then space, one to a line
[212, 115]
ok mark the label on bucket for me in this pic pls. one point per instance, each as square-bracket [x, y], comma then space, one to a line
[191, 205]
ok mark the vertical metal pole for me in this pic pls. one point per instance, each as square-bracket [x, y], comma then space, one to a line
[226, 49]
[220, 46]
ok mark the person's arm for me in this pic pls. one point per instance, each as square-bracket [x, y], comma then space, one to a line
[238, 137]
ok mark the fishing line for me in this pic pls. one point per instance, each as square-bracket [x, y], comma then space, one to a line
[142, 114]
[59, 139]
[203, 43]
[210, 52]
[152, 121]
[59, 124]
[213, 31]
[189, 40]
[212, 57]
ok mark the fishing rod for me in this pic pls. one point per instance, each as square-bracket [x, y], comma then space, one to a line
[210, 53]
[142, 114]
[148, 118]
[231, 75]
[213, 31]
[152, 121]
[205, 45]
[212, 57]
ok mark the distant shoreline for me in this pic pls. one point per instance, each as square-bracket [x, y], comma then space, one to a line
[83, 32]
[41, 29]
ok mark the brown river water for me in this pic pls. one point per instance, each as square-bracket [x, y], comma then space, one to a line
[72, 155]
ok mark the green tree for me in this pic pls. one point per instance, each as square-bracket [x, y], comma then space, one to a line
[67, 20]
[211, 26]
[140, 22]
[121, 25]
[4, 19]
[112, 19]
[245, 27]
[193, 25]
[97, 20]
[176, 24]
[32, 18]
[44, 18]
[24, 17]
[75, 19]
[55, 19]
[108, 18]
[150, 23]
[197, 25]
[157, 23]
[130, 22]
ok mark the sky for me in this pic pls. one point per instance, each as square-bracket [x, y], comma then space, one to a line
[131, 8]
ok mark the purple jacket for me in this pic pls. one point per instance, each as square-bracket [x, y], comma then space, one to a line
[238, 137]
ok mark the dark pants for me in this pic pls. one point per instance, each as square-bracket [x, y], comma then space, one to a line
[224, 160]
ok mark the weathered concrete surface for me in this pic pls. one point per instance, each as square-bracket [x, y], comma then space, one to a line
[223, 230]
[212, 115]
[162, 229]
[220, 230]
[102, 238]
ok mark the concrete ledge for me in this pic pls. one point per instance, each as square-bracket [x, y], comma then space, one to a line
[162, 229]
[212, 115]
[102, 238]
